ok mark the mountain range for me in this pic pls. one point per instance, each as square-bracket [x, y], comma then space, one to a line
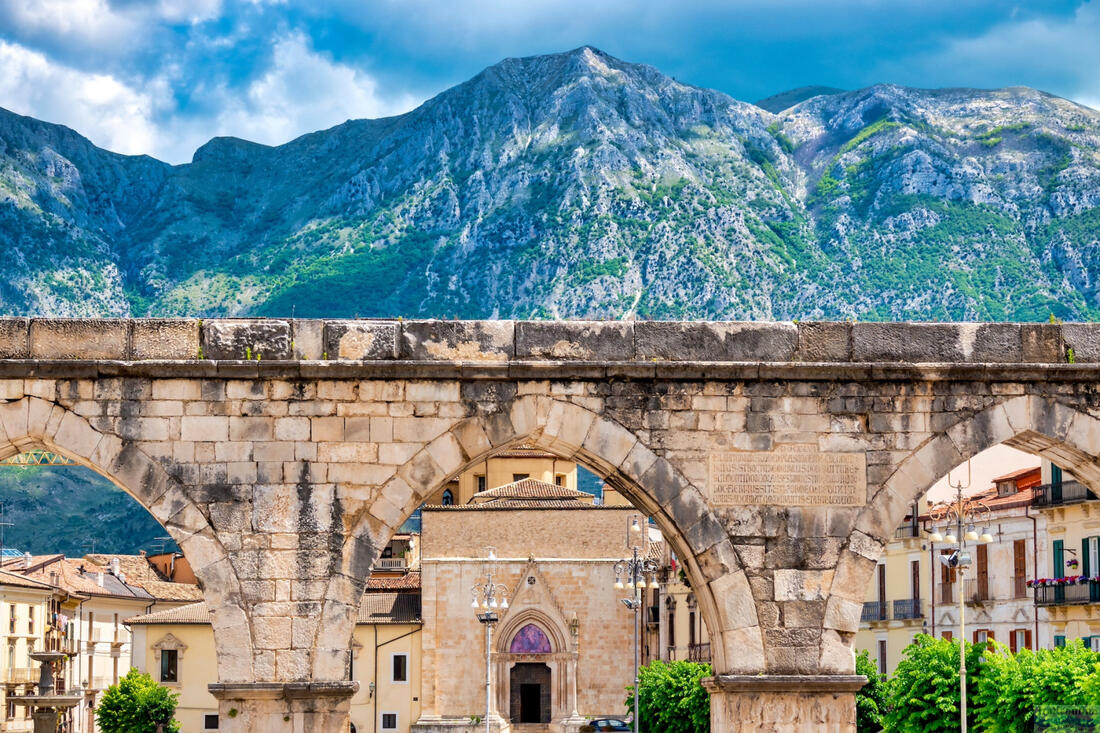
[579, 185]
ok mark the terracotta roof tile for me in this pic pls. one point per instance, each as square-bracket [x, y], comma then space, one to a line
[20, 581]
[195, 613]
[530, 488]
[390, 608]
[408, 581]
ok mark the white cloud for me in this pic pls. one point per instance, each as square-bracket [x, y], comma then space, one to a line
[1059, 55]
[98, 106]
[300, 92]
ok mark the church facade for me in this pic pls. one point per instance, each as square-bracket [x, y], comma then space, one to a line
[561, 650]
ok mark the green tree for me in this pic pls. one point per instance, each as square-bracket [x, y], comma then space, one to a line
[923, 694]
[1002, 700]
[1061, 684]
[137, 704]
[871, 698]
[671, 698]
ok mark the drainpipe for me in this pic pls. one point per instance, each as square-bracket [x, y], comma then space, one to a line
[1034, 565]
[932, 580]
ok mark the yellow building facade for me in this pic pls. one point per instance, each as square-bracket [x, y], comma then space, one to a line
[176, 647]
[897, 605]
[25, 606]
[1072, 545]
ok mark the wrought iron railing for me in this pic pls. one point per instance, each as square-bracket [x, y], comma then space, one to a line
[875, 611]
[976, 591]
[1068, 595]
[907, 531]
[1065, 492]
[21, 675]
[907, 608]
[699, 652]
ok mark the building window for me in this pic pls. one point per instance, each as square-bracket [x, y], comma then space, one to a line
[1020, 639]
[480, 483]
[169, 665]
[11, 656]
[882, 656]
[11, 625]
[1059, 641]
[210, 721]
[400, 667]
[448, 498]
[168, 653]
[30, 620]
[389, 721]
[559, 479]
[520, 476]
[10, 708]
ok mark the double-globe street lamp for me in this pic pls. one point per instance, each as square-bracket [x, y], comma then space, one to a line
[962, 509]
[488, 597]
[639, 572]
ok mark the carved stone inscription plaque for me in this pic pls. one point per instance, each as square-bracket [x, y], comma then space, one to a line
[790, 475]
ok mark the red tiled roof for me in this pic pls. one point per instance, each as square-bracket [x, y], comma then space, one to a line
[1017, 474]
[530, 488]
[408, 581]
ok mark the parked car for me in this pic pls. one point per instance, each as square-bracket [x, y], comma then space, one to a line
[612, 724]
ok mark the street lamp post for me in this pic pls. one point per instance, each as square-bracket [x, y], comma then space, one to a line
[488, 596]
[636, 569]
[959, 509]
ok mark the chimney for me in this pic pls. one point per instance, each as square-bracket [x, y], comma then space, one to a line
[141, 553]
[99, 579]
[26, 561]
[114, 566]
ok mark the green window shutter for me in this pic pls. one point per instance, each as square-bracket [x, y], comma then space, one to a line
[1059, 559]
[1084, 564]
[1055, 475]
[1059, 641]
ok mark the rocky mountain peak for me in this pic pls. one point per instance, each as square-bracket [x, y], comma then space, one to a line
[578, 184]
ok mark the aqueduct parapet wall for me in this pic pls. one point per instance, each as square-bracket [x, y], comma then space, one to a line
[282, 455]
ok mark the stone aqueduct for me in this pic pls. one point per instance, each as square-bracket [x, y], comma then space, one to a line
[282, 454]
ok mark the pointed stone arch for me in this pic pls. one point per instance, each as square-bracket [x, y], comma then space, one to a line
[571, 432]
[33, 422]
[534, 603]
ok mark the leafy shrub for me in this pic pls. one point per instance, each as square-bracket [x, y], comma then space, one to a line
[137, 704]
[923, 694]
[871, 698]
[671, 698]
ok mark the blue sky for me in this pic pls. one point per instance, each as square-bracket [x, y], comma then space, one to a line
[163, 76]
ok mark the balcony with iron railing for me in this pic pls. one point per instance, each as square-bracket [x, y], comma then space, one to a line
[1064, 492]
[908, 608]
[699, 652]
[976, 590]
[873, 611]
[907, 531]
[1068, 595]
[21, 675]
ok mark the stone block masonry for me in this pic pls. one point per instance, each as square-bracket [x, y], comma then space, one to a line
[282, 454]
